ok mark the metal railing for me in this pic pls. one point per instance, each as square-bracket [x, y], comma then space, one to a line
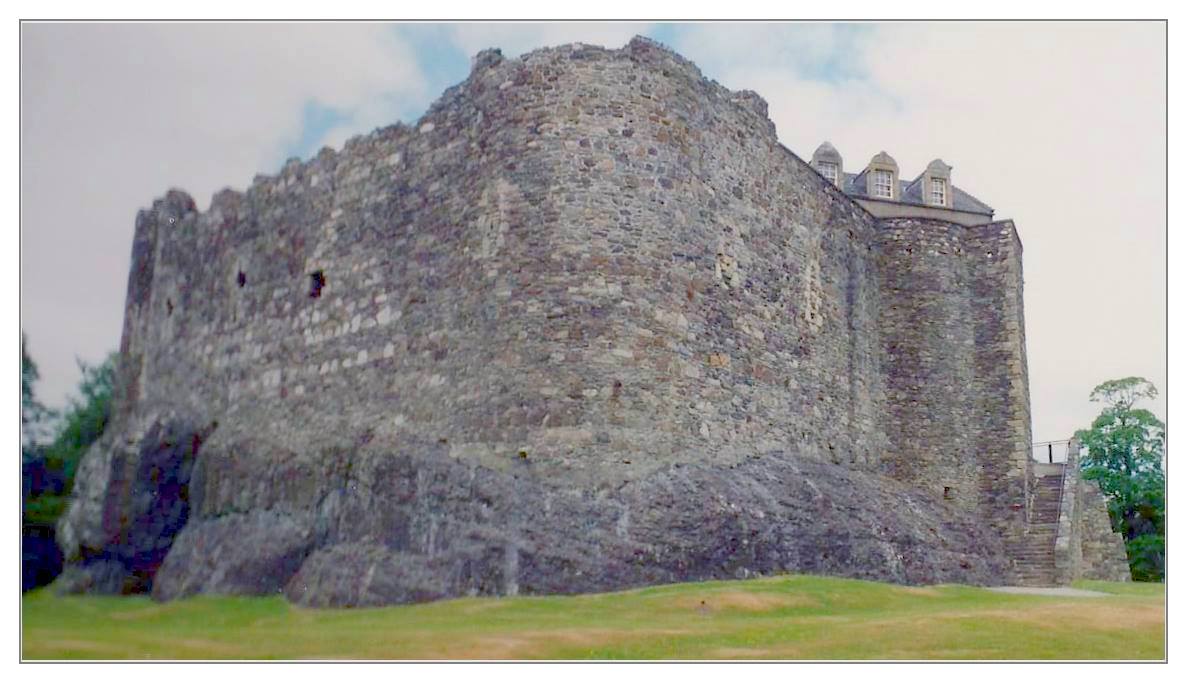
[1050, 451]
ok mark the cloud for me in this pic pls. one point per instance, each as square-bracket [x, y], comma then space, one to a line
[515, 39]
[115, 114]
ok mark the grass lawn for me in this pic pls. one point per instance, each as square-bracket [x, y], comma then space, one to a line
[787, 617]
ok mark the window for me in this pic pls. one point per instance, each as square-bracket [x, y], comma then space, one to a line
[882, 184]
[317, 280]
[829, 171]
[937, 191]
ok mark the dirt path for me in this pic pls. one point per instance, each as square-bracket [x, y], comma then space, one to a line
[1062, 591]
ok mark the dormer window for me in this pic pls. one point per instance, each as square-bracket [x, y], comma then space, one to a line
[884, 184]
[828, 170]
[828, 163]
[937, 195]
[934, 183]
[881, 178]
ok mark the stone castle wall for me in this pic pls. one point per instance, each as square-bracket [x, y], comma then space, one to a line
[957, 400]
[583, 266]
[580, 255]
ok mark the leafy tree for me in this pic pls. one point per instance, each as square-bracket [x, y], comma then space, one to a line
[1125, 453]
[34, 415]
[85, 418]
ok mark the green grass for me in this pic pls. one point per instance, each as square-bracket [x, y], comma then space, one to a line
[789, 617]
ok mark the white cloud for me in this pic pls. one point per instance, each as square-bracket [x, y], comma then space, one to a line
[515, 39]
[115, 114]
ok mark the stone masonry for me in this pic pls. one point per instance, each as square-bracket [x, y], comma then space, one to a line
[587, 324]
[1086, 547]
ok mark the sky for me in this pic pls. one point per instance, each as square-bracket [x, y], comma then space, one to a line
[1059, 126]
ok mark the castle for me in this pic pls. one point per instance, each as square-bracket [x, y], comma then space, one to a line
[586, 325]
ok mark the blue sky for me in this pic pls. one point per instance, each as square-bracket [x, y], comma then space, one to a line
[1046, 122]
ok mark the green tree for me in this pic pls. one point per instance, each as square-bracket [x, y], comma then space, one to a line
[34, 415]
[1125, 453]
[84, 420]
[54, 463]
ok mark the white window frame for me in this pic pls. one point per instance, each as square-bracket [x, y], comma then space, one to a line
[939, 192]
[829, 170]
[883, 184]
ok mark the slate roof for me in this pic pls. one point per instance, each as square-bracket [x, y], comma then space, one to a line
[910, 192]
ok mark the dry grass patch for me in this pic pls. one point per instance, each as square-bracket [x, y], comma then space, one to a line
[741, 601]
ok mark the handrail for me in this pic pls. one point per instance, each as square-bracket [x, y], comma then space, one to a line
[1072, 461]
[1050, 449]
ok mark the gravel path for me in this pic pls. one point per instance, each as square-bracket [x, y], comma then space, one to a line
[1062, 591]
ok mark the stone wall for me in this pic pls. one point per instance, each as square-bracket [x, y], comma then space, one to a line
[1001, 379]
[1102, 550]
[1086, 546]
[927, 323]
[957, 400]
[587, 256]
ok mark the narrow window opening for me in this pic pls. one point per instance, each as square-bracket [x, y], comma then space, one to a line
[241, 278]
[947, 493]
[168, 306]
[317, 280]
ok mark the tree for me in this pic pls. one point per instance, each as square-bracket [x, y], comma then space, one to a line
[1125, 453]
[34, 415]
[85, 418]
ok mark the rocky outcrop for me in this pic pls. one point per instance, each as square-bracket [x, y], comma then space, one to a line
[131, 498]
[240, 554]
[417, 525]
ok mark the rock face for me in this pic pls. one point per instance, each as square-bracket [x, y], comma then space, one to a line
[587, 325]
[416, 525]
[130, 500]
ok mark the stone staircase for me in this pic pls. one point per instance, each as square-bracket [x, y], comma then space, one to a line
[1034, 557]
